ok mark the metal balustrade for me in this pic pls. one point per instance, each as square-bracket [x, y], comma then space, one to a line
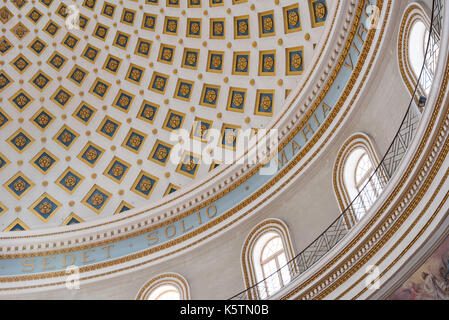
[376, 183]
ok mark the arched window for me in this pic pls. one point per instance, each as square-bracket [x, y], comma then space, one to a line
[165, 292]
[412, 46]
[265, 255]
[357, 184]
[167, 286]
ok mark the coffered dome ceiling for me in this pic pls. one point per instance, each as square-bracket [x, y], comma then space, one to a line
[88, 115]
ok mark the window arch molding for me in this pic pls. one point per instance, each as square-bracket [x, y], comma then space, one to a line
[358, 141]
[413, 14]
[173, 280]
[250, 267]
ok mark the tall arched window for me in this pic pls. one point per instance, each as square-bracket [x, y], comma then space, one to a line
[169, 286]
[357, 184]
[265, 255]
[412, 45]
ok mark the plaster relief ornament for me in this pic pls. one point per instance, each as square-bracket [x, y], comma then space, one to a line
[70, 181]
[218, 28]
[52, 28]
[237, 100]
[97, 199]
[161, 154]
[66, 137]
[216, 61]
[243, 27]
[41, 81]
[135, 141]
[101, 32]
[101, 89]
[19, 3]
[85, 113]
[5, 15]
[171, 26]
[21, 64]
[268, 24]
[135, 75]
[124, 100]
[129, 16]
[109, 128]
[112, 64]
[185, 90]
[191, 165]
[21, 101]
[34, 15]
[122, 41]
[320, 10]
[63, 11]
[91, 54]
[296, 61]
[44, 162]
[266, 103]
[144, 47]
[211, 96]
[148, 113]
[71, 42]
[19, 185]
[20, 141]
[293, 18]
[117, 170]
[268, 63]
[78, 75]
[91, 155]
[175, 121]
[20, 31]
[62, 97]
[57, 61]
[159, 83]
[43, 120]
[167, 54]
[242, 63]
[3, 45]
[191, 58]
[45, 207]
[149, 22]
[145, 185]
[194, 27]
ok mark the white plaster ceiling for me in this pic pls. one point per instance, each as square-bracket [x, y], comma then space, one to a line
[43, 190]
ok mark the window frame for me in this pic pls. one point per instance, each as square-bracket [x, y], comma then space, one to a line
[170, 279]
[344, 195]
[250, 266]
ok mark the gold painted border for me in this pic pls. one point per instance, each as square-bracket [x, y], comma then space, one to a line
[43, 196]
[44, 150]
[88, 195]
[73, 172]
[22, 176]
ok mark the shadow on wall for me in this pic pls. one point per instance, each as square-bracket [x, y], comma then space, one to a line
[431, 281]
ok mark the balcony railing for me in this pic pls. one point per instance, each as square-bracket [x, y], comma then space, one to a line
[375, 184]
